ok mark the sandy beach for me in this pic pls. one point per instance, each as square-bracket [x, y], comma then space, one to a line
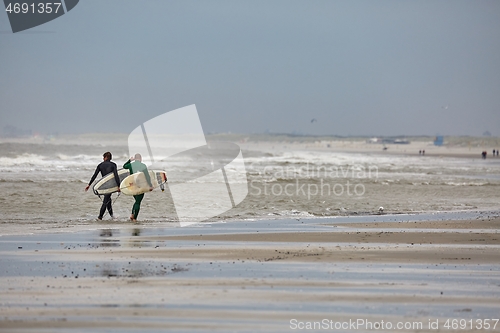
[283, 260]
[270, 276]
[461, 148]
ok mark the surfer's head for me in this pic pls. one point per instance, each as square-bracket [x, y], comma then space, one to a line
[138, 157]
[107, 156]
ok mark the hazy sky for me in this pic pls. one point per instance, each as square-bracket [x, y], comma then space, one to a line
[358, 67]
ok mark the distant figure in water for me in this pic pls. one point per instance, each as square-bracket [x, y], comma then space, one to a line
[106, 167]
[484, 154]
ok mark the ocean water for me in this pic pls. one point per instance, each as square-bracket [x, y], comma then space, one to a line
[42, 185]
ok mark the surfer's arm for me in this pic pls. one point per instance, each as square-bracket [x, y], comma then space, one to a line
[148, 178]
[95, 175]
[93, 178]
[117, 179]
[128, 166]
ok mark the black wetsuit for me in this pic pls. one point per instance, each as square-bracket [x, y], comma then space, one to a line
[106, 168]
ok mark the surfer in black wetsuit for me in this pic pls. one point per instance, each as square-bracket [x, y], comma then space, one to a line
[105, 168]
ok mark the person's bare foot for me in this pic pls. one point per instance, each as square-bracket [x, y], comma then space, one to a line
[132, 217]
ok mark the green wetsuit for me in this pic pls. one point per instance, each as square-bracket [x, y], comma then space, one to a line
[135, 167]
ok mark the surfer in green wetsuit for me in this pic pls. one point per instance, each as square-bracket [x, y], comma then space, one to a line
[134, 164]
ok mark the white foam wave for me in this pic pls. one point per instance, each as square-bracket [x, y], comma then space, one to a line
[57, 161]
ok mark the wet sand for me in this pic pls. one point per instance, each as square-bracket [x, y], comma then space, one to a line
[253, 276]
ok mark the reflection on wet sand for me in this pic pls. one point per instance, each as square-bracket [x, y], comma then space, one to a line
[130, 269]
[105, 239]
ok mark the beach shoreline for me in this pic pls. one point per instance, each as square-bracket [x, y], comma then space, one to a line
[454, 146]
[262, 274]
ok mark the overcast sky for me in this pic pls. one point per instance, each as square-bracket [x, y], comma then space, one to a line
[358, 67]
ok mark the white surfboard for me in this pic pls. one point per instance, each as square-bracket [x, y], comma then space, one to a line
[107, 184]
[137, 184]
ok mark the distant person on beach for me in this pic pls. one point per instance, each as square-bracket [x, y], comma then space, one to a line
[106, 167]
[423, 152]
[484, 154]
[494, 152]
[134, 164]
